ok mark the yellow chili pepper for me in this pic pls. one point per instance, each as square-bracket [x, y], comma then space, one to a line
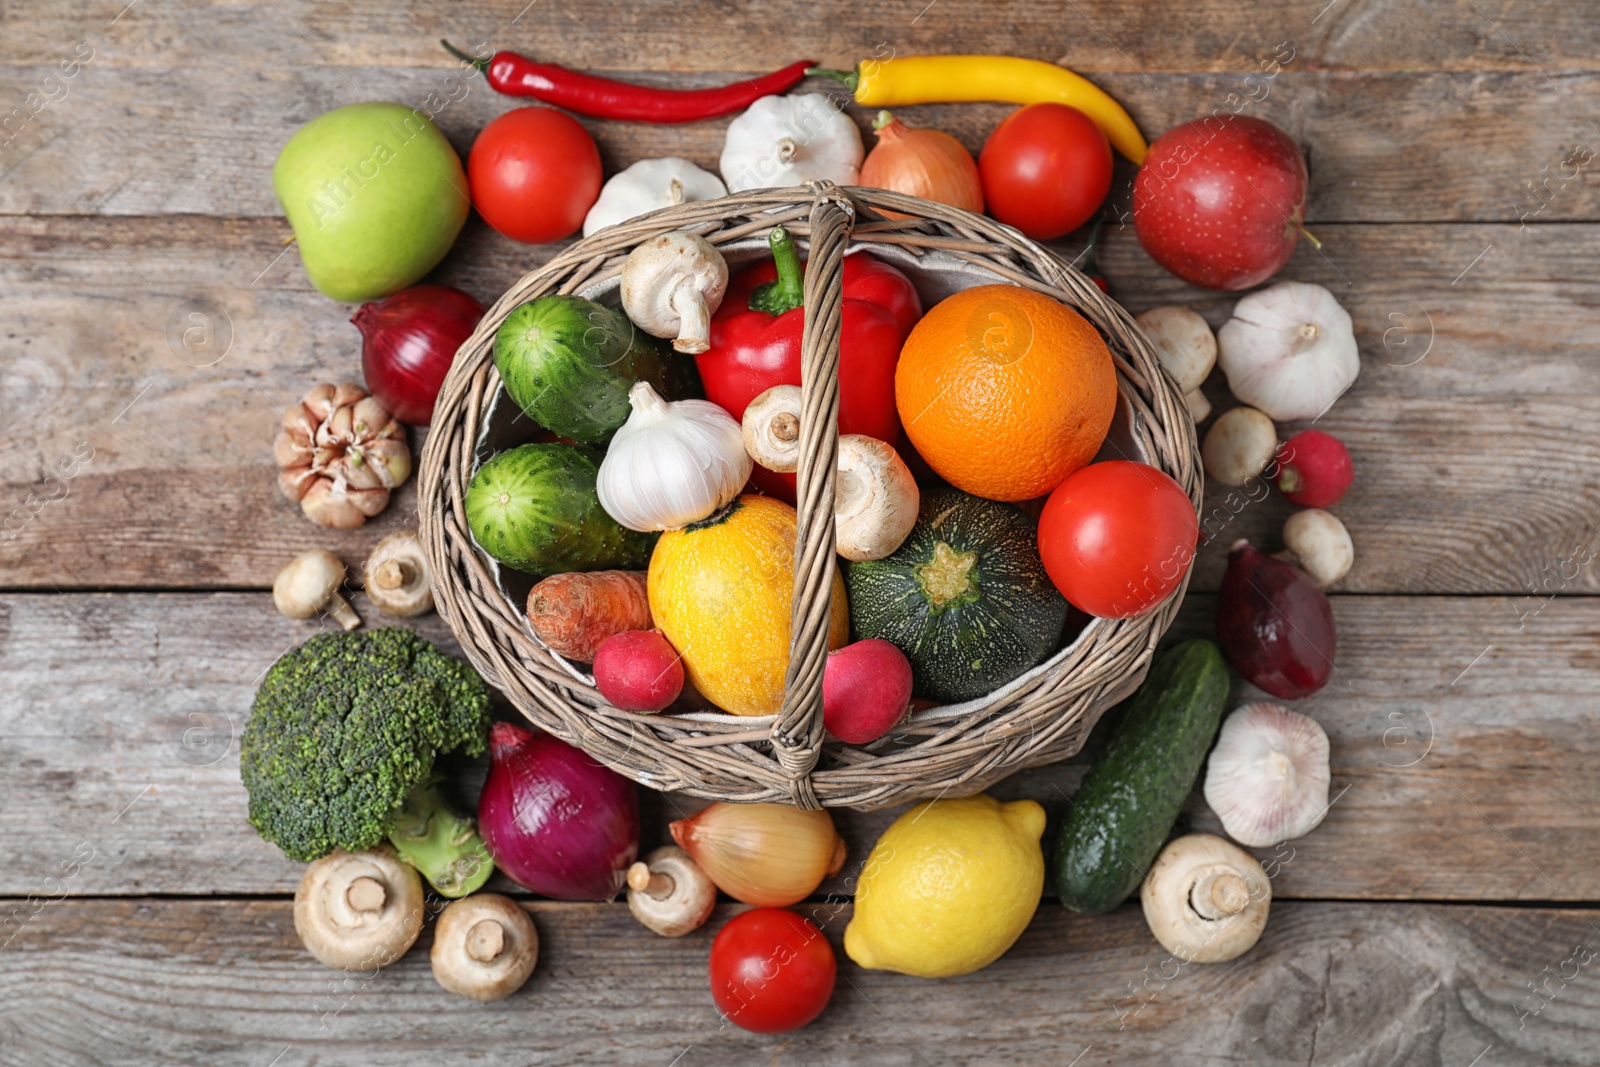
[895, 82]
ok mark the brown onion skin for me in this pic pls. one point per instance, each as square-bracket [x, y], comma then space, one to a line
[1274, 624]
[409, 340]
[555, 820]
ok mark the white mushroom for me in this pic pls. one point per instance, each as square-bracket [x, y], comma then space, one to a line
[1289, 350]
[1239, 446]
[1321, 544]
[771, 428]
[669, 893]
[1267, 778]
[396, 576]
[358, 910]
[310, 585]
[671, 286]
[1205, 899]
[484, 947]
[876, 499]
[1187, 349]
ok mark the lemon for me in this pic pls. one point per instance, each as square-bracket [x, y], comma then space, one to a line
[948, 888]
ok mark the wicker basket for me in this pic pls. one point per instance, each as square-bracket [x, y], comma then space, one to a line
[1041, 717]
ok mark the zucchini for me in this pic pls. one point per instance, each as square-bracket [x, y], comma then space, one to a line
[1125, 808]
[965, 597]
[569, 363]
[534, 508]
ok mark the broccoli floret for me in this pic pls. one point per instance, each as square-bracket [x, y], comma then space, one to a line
[340, 746]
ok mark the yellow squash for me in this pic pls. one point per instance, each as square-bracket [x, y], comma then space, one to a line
[720, 591]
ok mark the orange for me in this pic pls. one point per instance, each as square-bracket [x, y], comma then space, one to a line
[1005, 391]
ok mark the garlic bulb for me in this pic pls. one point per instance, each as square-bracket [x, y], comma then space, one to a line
[1267, 778]
[769, 855]
[649, 185]
[671, 463]
[790, 140]
[1289, 350]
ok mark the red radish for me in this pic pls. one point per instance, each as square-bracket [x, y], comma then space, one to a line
[1314, 469]
[638, 670]
[1219, 201]
[866, 689]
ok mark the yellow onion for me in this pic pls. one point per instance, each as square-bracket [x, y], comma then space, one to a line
[770, 855]
[926, 163]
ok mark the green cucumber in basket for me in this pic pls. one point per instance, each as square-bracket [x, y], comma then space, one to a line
[569, 363]
[534, 508]
[1125, 808]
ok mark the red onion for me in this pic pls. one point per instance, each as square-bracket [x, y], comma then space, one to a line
[555, 820]
[409, 342]
[1274, 624]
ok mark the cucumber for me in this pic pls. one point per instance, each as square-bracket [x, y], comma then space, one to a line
[569, 363]
[1125, 808]
[534, 508]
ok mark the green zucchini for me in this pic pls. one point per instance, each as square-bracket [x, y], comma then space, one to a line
[534, 508]
[965, 597]
[1129, 800]
[568, 363]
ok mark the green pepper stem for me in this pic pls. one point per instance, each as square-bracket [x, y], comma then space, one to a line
[788, 292]
[850, 79]
[1091, 254]
[481, 64]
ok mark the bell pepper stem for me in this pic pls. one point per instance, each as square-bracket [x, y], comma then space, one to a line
[788, 292]
[1091, 254]
[481, 64]
[850, 79]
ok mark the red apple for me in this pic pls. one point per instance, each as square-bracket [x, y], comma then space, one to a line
[1219, 201]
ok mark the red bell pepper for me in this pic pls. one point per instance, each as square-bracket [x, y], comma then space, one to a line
[755, 343]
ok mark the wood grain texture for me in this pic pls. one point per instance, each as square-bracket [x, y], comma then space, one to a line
[1383, 147]
[1468, 477]
[1460, 772]
[208, 982]
[713, 35]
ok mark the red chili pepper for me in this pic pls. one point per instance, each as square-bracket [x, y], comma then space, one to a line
[603, 98]
[755, 343]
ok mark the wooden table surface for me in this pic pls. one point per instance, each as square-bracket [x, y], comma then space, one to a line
[1443, 914]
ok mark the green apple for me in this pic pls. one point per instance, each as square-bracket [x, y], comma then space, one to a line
[376, 196]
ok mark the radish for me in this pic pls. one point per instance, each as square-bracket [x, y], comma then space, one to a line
[638, 670]
[866, 689]
[1314, 469]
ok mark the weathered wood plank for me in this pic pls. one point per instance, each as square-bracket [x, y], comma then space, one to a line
[1470, 478]
[1094, 35]
[1460, 770]
[205, 982]
[1395, 147]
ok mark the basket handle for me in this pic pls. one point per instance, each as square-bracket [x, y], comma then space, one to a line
[797, 732]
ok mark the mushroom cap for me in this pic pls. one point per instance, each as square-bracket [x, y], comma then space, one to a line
[662, 273]
[1321, 543]
[1239, 445]
[1184, 343]
[396, 576]
[876, 501]
[358, 910]
[771, 428]
[306, 583]
[484, 947]
[1267, 778]
[683, 896]
[1205, 899]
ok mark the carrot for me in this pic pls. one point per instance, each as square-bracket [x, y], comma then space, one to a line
[574, 613]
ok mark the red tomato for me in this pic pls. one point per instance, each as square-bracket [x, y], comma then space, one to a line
[535, 173]
[1117, 537]
[771, 970]
[1046, 169]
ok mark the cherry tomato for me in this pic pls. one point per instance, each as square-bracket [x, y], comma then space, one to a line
[535, 173]
[1046, 170]
[1117, 537]
[771, 970]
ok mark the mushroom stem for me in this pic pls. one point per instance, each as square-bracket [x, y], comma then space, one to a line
[669, 893]
[342, 612]
[658, 884]
[694, 319]
[486, 940]
[1218, 894]
[365, 894]
[392, 574]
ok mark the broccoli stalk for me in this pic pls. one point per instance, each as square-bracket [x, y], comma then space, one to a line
[439, 843]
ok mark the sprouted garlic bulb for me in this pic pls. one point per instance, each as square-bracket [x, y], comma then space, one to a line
[769, 855]
[671, 463]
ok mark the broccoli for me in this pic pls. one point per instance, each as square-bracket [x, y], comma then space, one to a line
[340, 746]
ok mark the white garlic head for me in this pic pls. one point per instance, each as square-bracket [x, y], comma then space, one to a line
[1289, 350]
[1267, 778]
[790, 140]
[649, 185]
[671, 463]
